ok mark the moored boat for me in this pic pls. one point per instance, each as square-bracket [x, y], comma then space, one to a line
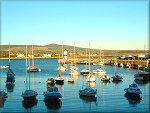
[116, 78]
[85, 72]
[50, 82]
[105, 78]
[52, 93]
[88, 91]
[133, 90]
[59, 80]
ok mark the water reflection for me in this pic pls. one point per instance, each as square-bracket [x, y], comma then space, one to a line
[133, 99]
[27, 104]
[91, 84]
[53, 104]
[104, 82]
[89, 100]
[140, 82]
[10, 87]
[2, 101]
[117, 82]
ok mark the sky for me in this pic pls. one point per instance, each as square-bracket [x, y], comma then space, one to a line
[110, 24]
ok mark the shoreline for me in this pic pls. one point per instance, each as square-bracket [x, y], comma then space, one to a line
[25, 58]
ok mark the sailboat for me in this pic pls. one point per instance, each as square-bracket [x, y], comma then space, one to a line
[10, 74]
[142, 75]
[101, 70]
[73, 67]
[61, 68]
[116, 77]
[90, 77]
[28, 94]
[33, 68]
[59, 80]
[85, 71]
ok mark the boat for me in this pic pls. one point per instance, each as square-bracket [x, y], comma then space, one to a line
[61, 68]
[99, 71]
[4, 67]
[142, 76]
[85, 71]
[10, 74]
[52, 93]
[28, 94]
[50, 82]
[84, 62]
[33, 68]
[71, 80]
[133, 90]
[116, 78]
[90, 77]
[88, 91]
[105, 78]
[59, 80]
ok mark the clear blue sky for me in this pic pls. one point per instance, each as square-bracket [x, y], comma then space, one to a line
[106, 25]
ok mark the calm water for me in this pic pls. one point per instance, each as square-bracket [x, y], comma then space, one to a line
[110, 95]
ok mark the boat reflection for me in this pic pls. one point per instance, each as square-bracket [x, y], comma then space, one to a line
[140, 82]
[104, 82]
[133, 99]
[10, 87]
[53, 104]
[91, 84]
[29, 103]
[117, 82]
[2, 101]
[88, 99]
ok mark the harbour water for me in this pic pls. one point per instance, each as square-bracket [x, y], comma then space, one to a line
[110, 96]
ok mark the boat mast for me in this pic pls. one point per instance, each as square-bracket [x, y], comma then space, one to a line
[100, 55]
[86, 59]
[89, 57]
[74, 54]
[9, 55]
[26, 69]
[32, 57]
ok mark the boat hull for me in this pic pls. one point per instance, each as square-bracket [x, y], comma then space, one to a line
[60, 82]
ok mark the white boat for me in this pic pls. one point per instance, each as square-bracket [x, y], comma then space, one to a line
[52, 93]
[59, 80]
[133, 90]
[85, 72]
[61, 68]
[74, 71]
[4, 67]
[28, 94]
[105, 78]
[71, 79]
[99, 71]
[90, 78]
[88, 91]
[33, 68]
